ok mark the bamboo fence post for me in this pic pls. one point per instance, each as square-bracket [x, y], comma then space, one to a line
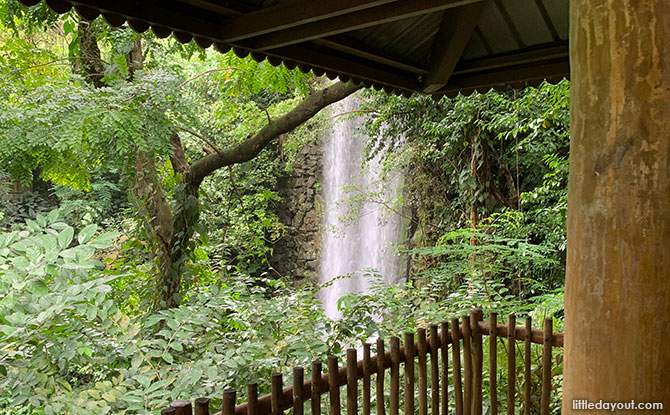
[380, 376]
[478, 361]
[316, 388]
[352, 384]
[444, 349]
[276, 389]
[366, 379]
[456, 365]
[409, 373]
[182, 407]
[228, 402]
[423, 372]
[467, 363]
[511, 363]
[546, 365]
[333, 386]
[526, 366]
[298, 384]
[252, 398]
[202, 406]
[434, 371]
[395, 376]
[493, 362]
[168, 411]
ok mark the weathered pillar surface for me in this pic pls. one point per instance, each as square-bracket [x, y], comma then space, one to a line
[618, 272]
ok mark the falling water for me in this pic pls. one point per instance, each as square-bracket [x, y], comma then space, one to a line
[366, 240]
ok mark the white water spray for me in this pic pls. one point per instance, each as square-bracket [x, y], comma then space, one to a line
[366, 240]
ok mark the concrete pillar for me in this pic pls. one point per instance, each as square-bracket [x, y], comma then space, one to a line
[617, 308]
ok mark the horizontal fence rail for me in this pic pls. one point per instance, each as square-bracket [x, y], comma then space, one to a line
[424, 352]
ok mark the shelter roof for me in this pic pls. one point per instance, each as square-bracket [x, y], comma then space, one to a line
[403, 46]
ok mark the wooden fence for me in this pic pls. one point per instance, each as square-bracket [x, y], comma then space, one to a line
[431, 351]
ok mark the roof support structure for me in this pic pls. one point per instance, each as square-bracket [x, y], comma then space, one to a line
[352, 68]
[284, 16]
[216, 8]
[457, 27]
[352, 21]
[549, 53]
[618, 248]
[348, 46]
[150, 13]
[515, 75]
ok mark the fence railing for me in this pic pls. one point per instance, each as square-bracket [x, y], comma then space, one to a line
[429, 350]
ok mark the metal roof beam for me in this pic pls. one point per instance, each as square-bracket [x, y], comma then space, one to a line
[362, 51]
[457, 27]
[352, 68]
[287, 15]
[352, 21]
[553, 51]
[517, 76]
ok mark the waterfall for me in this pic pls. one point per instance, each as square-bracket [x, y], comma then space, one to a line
[365, 240]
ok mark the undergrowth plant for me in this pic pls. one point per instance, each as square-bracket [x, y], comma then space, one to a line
[68, 346]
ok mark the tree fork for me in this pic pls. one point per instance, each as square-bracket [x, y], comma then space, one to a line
[186, 196]
[250, 148]
[173, 229]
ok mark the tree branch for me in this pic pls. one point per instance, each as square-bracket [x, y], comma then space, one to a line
[250, 148]
[203, 138]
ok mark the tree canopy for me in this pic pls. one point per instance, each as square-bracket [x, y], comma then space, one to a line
[139, 210]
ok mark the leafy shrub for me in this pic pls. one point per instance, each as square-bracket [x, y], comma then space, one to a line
[66, 346]
[51, 308]
[27, 205]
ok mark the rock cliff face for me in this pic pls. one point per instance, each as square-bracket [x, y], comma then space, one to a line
[298, 252]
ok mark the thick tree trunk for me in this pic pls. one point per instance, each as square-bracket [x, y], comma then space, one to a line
[177, 250]
[170, 230]
[474, 203]
[617, 310]
[158, 221]
[91, 64]
[180, 248]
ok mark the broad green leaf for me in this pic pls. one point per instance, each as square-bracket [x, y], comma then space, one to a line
[167, 357]
[173, 324]
[52, 216]
[104, 240]
[109, 397]
[86, 233]
[38, 287]
[65, 237]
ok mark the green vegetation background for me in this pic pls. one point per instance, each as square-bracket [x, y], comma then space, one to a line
[484, 188]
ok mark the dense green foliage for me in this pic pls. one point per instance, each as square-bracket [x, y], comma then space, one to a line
[105, 123]
[495, 162]
[68, 346]
[484, 185]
